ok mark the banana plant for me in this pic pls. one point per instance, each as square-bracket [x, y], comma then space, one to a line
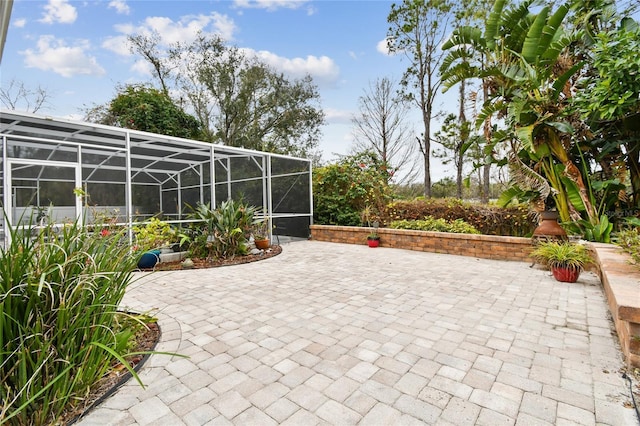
[522, 58]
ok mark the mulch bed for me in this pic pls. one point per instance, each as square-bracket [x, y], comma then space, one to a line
[204, 263]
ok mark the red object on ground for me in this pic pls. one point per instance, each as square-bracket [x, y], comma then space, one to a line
[373, 243]
[566, 275]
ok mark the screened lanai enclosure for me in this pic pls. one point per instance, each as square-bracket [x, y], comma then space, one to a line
[63, 171]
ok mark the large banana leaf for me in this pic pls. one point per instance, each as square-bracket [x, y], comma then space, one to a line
[465, 36]
[532, 42]
[551, 30]
[573, 194]
[493, 24]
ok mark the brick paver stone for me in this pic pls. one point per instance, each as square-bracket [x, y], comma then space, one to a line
[338, 334]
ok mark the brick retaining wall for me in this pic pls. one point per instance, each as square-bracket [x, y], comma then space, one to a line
[483, 246]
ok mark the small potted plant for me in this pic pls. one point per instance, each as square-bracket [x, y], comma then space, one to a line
[260, 231]
[565, 259]
[373, 239]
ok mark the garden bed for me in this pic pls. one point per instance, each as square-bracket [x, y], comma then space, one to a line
[236, 260]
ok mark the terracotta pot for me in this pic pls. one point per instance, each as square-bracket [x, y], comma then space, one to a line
[549, 226]
[565, 275]
[263, 244]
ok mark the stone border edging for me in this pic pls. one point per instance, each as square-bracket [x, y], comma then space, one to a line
[621, 282]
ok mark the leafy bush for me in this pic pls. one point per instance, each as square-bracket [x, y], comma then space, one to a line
[432, 224]
[59, 292]
[629, 240]
[156, 233]
[221, 232]
[489, 220]
[342, 190]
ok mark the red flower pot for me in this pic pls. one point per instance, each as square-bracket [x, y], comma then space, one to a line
[373, 242]
[565, 275]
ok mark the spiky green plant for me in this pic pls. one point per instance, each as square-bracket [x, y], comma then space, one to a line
[224, 229]
[562, 254]
[59, 294]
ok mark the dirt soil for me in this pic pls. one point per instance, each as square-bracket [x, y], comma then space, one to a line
[146, 339]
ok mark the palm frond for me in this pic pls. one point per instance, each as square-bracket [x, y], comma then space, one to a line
[456, 74]
[527, 178]
[464, 36]
[489, 109]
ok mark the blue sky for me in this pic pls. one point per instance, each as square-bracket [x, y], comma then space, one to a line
[77, 50]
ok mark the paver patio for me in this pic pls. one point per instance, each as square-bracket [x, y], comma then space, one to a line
[341, 334]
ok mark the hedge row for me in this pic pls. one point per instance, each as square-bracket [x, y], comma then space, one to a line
[489, 220]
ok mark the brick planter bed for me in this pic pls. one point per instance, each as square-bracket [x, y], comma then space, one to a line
[483, 246]
[621, 281]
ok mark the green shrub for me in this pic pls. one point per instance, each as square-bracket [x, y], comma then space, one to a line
[489, 220]
[432, 224]
[342, 190]
[156, 233]
[629, 240]
[59, 295]
[221, 232]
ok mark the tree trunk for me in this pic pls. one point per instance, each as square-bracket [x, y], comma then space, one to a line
[488, 135]
[459, 165]
[427, 167]
[486, 182]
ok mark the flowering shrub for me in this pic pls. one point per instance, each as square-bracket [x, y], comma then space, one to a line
[341, 191]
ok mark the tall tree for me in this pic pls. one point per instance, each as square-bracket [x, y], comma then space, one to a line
[239, 100]
[469, 14]
[454, 136]
[380, 125]
[418, 28]
[144, 108]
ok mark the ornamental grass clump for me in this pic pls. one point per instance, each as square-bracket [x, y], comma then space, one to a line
[59, 333]
[562, 254]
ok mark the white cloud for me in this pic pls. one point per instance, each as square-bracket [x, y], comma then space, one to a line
[186, 29]
[183, 30]
[120, 6]
[142, 67]
[383, 47]
[20, 23]
[119, 45]
[323, 69]
[271, 5]
[333, 116]
[53, 55]
[59, 11]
